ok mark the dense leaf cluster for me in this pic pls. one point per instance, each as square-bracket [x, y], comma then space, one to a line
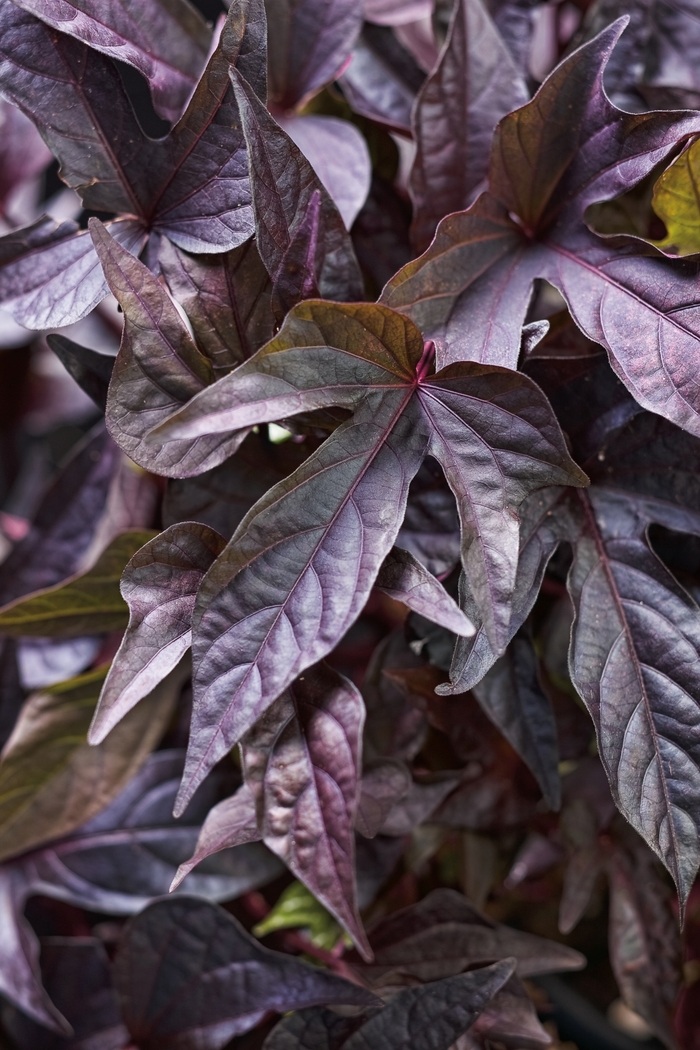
[349, 605]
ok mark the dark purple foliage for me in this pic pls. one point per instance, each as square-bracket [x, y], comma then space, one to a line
[378, 534]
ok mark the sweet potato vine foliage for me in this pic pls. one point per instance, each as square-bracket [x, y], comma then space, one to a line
[350, 528]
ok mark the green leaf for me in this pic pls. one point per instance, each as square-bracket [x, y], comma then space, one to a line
[88, 603]
[51, 779]
[298, 908]
[676, 200]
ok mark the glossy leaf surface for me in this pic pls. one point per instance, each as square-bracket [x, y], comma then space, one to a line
[400, 413]
[471, 289]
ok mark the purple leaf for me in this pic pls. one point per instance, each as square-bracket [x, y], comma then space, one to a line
[23, 154]
[645, 943]
[226, 298]
[131, 851]
[283, 183]
[301, 762]
[403, 578]
[221, 497]
[382, 79]
[77, 975]
[50, 275]
[397, 12]
[232, 822]
[510, 1018]
[297, 276]
[395, 728]
[66, 520]
[157, 369]
[169, 46]
[430, 529]
[64, 86]
[308, 43]
[302, 527]
[444, 933]
[474, 84]
[198, 176]
[427, 1017]
[20, 976]
[515, 20]
[338, 154]
[383, 784]
[91, 370]
[419, 804]
[552, 158]
[159, 585]
[190, 977]
[512, 697]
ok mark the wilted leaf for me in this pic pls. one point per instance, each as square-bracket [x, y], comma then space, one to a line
[51, 780]
[169, 46]
[189, 976]
[301, 762]
[474, 84]
[401, 413]
[568, 148]
[159, 586]
[89, 603]
[429, 1017]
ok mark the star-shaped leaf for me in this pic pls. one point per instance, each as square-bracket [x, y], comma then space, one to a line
[566, 149]
[316, 540]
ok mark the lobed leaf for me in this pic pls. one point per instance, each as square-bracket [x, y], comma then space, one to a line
[159, 585]
[564, 150]
[169, 46]
[403, 578]
[232, 822]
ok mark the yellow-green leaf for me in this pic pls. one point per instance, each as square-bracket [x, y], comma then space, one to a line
[51, 779]
[88, 603]
[676, 200]
[297, 908]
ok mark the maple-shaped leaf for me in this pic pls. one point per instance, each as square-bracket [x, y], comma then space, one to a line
[301, 763]
[169, 45]
[191, 185]
[566, 149]
[316, 541]
[474, 84]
